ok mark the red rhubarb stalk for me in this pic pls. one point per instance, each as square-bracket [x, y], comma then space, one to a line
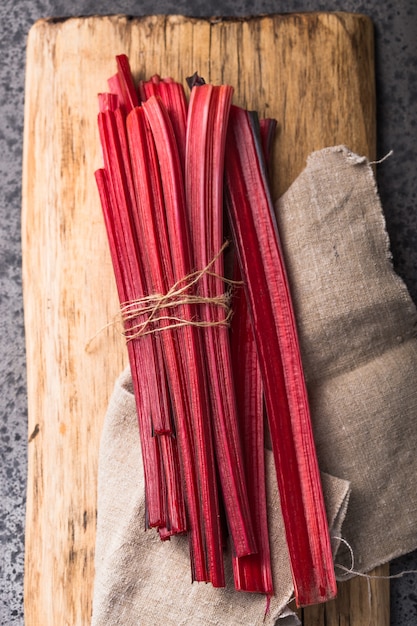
[206, 134]
[126, 83]
[273, 322]
[108, 102]
[175, 513]
[151, 224]
[267, 126]
[189, 397]
[147, 371]
[253, 572]
[154, 484]
[116, 90]
[161, 417]
[112, 133]
[173, 96]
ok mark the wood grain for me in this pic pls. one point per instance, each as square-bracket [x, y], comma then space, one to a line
[313, 72]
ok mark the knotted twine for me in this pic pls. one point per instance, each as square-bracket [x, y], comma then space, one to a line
[160, 311]
[357, 326]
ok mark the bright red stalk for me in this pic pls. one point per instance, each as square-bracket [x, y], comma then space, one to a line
[107, 102]
[147, 368]
[175, 514]
[126, 83]
[252, 572]
[116, 159]
[173, 96]
[267, 126]
[155, 515]
[190, 399]
[206, 134]
[273, 322]
[152, 226]
[161, 418]
[115, 88]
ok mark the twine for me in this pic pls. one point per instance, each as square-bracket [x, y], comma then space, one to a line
[150, 307]
[384, 158]
[347, 571]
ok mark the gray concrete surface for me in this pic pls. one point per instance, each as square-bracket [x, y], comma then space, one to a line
[396, 64]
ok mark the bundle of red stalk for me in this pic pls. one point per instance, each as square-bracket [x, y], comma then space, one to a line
[202, 377]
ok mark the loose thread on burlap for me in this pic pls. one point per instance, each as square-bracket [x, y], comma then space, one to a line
[384, 158]
[351, 569]
[367, 577]
[150, 307]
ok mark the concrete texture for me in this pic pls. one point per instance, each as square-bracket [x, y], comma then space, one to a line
[396, 64]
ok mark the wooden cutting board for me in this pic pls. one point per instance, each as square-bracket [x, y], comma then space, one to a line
[314, 73]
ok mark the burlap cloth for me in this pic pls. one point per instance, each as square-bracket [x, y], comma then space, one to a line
[357, 327]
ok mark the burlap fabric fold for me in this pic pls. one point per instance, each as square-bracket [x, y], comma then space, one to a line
[357, 334]
[143, 581]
